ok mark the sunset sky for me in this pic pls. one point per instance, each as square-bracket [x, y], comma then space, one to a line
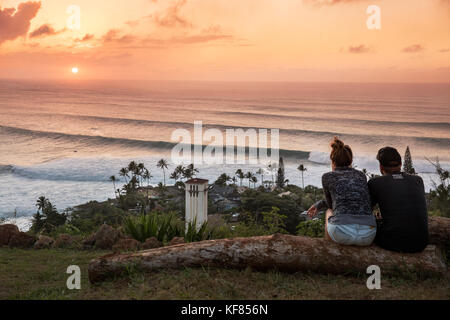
[232, 40]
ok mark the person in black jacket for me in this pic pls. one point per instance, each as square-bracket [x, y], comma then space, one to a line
[401, 198]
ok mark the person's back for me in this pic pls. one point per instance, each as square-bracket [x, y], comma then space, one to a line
[349, 219]
[347, 189]
[401, 199]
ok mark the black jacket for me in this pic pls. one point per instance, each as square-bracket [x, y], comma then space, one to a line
[404, 225]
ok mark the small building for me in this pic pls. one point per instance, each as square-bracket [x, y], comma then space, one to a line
[196, 201]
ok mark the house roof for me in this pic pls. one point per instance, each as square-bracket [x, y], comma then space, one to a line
[196, 181]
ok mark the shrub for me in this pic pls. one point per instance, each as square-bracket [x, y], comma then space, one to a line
[193, 235]
[258, 202]
[162, 227]
[311, 228]
[274, 222]
[439, 199]
[90, 216]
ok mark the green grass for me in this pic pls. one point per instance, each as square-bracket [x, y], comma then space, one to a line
[32, 274]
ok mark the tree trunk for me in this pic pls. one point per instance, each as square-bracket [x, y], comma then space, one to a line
[281, 252]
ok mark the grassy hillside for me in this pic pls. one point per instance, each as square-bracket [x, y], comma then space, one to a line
[32, 274]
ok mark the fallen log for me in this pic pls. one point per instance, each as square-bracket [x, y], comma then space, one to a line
[280, 252]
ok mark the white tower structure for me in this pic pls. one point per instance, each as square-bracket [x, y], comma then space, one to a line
[196, 201]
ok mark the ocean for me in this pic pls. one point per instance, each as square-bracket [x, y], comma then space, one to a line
[64, 139]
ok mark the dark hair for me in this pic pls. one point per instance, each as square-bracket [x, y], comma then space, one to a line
[389, 157]
[341, 155]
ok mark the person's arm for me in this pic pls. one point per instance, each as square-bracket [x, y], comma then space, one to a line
[326, 190]
[321, 204]
[374, 199]
[373, 196]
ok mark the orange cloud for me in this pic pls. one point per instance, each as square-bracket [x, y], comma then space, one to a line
[44, 30]
[87, 37]
[114, 36]
[15, 23]
[359, 49]
[172, 17]
[413, 48]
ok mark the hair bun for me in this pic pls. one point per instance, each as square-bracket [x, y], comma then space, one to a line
[337, 144]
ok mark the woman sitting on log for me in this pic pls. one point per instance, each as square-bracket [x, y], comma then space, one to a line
[349, 219]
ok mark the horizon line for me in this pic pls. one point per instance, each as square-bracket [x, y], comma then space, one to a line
[218, 81]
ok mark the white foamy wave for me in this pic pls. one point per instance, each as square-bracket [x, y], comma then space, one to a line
[371, 163]
[319, 157]
[23, 223]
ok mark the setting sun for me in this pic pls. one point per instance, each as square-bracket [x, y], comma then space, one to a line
[74, 70]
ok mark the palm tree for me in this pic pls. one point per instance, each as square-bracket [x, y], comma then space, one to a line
[140, 171]
[302, 169]
[254, 180]
[249, 175]
[179, 170]
[188, 173]
[174, 175]
[194, 170]
[41, 203]
[162, 164]
[147, 176]
[124, 173]
[261, 173]
[368, 175]
[177, 173]
[132, 166]
[271, 167]
[113, 180]
[240, 175]
[223, 179]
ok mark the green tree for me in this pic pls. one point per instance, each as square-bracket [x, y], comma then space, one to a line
[256, 202]
[274, 222]
[47, 217]
[281, 179]
[38, 218]
[407, 162]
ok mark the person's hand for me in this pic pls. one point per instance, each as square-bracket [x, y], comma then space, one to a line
[312, 211]
[378, 215]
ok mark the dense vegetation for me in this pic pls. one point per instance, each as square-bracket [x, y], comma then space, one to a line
[267, 207]
[439, 198]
